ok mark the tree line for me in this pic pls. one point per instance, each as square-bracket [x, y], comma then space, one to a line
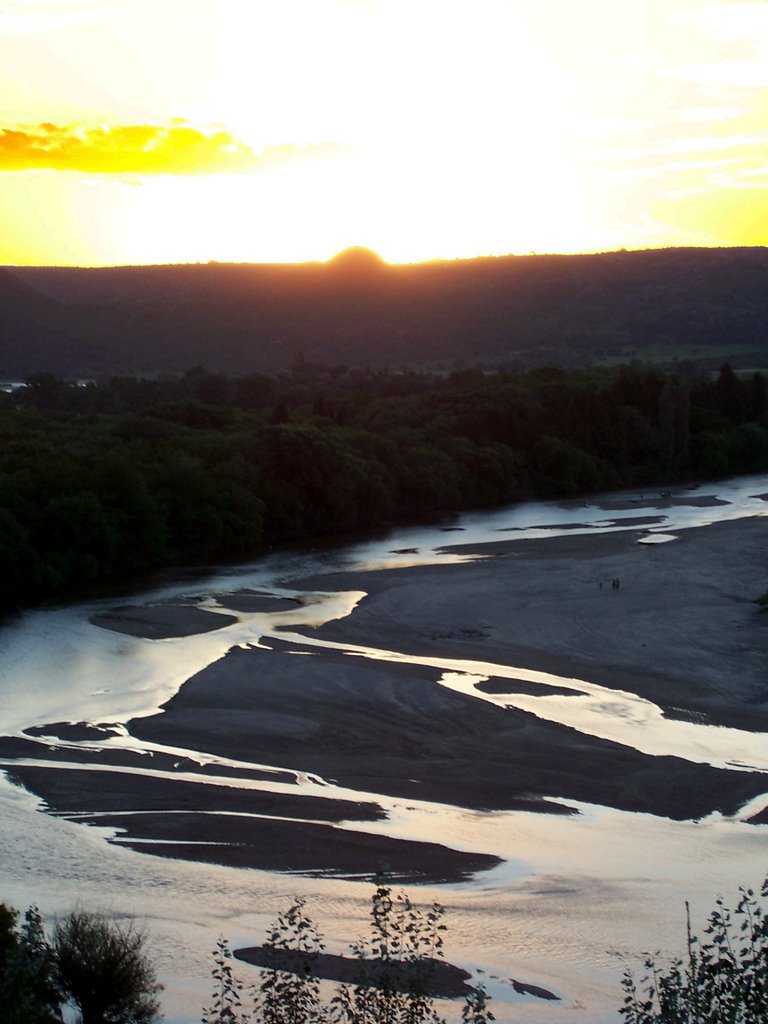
[105, 481]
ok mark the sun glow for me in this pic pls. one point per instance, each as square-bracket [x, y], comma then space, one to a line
[288, 131]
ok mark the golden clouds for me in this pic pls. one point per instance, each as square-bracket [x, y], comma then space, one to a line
[139, 149]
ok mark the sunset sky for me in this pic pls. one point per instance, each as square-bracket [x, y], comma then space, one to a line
[156, 131]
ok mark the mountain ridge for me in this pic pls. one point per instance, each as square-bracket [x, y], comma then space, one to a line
[657, 305]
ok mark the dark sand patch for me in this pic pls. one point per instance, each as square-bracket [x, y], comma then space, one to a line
[569, 545]
[305, 848]
[161, 621]
[250, 601]
[73, 791]
[524, 989]
[73, 731]
[683, 631]
[392, 729]
[369, 726]
[527, 687]
[629, 522]
[242, 827]
[465, 633]
[143, 760]
[436, 978]
[660, 499]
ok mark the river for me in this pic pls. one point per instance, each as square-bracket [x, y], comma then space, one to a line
[575, 898]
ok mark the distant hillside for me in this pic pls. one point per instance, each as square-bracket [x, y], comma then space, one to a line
[701, 305]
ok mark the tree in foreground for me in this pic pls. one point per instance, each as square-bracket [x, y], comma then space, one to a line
[395, 966]
[28, 992]
[227, 999]
[104, 970]
[290, 989]
[722, 980]
[476, 1008]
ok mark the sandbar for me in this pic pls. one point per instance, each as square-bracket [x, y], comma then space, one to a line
[161, 621]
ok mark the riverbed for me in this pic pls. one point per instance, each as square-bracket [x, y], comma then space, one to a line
[560, 760]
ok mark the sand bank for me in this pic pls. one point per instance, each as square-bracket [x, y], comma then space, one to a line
[158, 622]
[683, 629]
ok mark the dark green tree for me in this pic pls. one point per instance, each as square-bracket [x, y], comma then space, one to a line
[290, 990]
[227, 1000]
[104, 971]
[723, 979]
[395, 964]
[476, 1008]
[28, 992]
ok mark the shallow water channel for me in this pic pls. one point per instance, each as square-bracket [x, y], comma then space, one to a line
[574, 897]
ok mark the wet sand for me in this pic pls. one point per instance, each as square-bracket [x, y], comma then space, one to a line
[158, 622]
[683, 630]
[392, 729]
[435, 978]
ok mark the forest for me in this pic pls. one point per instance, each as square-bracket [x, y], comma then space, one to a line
[102, 483]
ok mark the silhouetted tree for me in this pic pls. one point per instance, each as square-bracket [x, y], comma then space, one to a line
[28, 992]
[104, 970]
[722, 979]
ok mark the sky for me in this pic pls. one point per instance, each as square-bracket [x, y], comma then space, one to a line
[178, 131]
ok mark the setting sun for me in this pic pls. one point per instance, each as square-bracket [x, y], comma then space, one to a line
[133, 132]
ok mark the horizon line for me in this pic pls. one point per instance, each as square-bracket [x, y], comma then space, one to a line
[328, 261]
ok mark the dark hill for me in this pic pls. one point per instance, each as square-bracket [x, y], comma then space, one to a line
[702, 305]
[21, 306]
[35, 331]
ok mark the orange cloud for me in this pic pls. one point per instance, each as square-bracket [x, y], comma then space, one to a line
[138, 149]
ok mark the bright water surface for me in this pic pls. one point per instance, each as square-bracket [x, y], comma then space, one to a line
[573, 897]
